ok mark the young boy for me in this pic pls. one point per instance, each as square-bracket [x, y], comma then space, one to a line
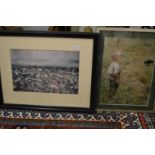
[114, 71]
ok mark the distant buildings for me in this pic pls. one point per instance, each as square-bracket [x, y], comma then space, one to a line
[45, 79]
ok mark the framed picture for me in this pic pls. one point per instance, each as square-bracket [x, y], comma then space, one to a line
[128, 69]
[51, 71]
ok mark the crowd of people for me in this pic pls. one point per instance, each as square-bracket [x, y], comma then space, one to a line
[45, 79]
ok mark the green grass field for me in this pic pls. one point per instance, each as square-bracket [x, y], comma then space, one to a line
[135, 79]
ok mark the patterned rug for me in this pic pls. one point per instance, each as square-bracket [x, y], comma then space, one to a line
[21, 119]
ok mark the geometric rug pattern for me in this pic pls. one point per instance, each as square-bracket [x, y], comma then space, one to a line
[99, 120]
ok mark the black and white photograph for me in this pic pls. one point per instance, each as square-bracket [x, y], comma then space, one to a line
[45, 71]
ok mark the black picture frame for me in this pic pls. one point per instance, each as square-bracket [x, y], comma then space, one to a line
[104, 32]
[95, 37]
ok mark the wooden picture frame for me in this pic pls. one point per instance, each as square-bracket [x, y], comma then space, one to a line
[135, 89]
[49, 71]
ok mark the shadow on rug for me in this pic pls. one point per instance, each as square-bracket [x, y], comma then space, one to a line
[16, 123]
